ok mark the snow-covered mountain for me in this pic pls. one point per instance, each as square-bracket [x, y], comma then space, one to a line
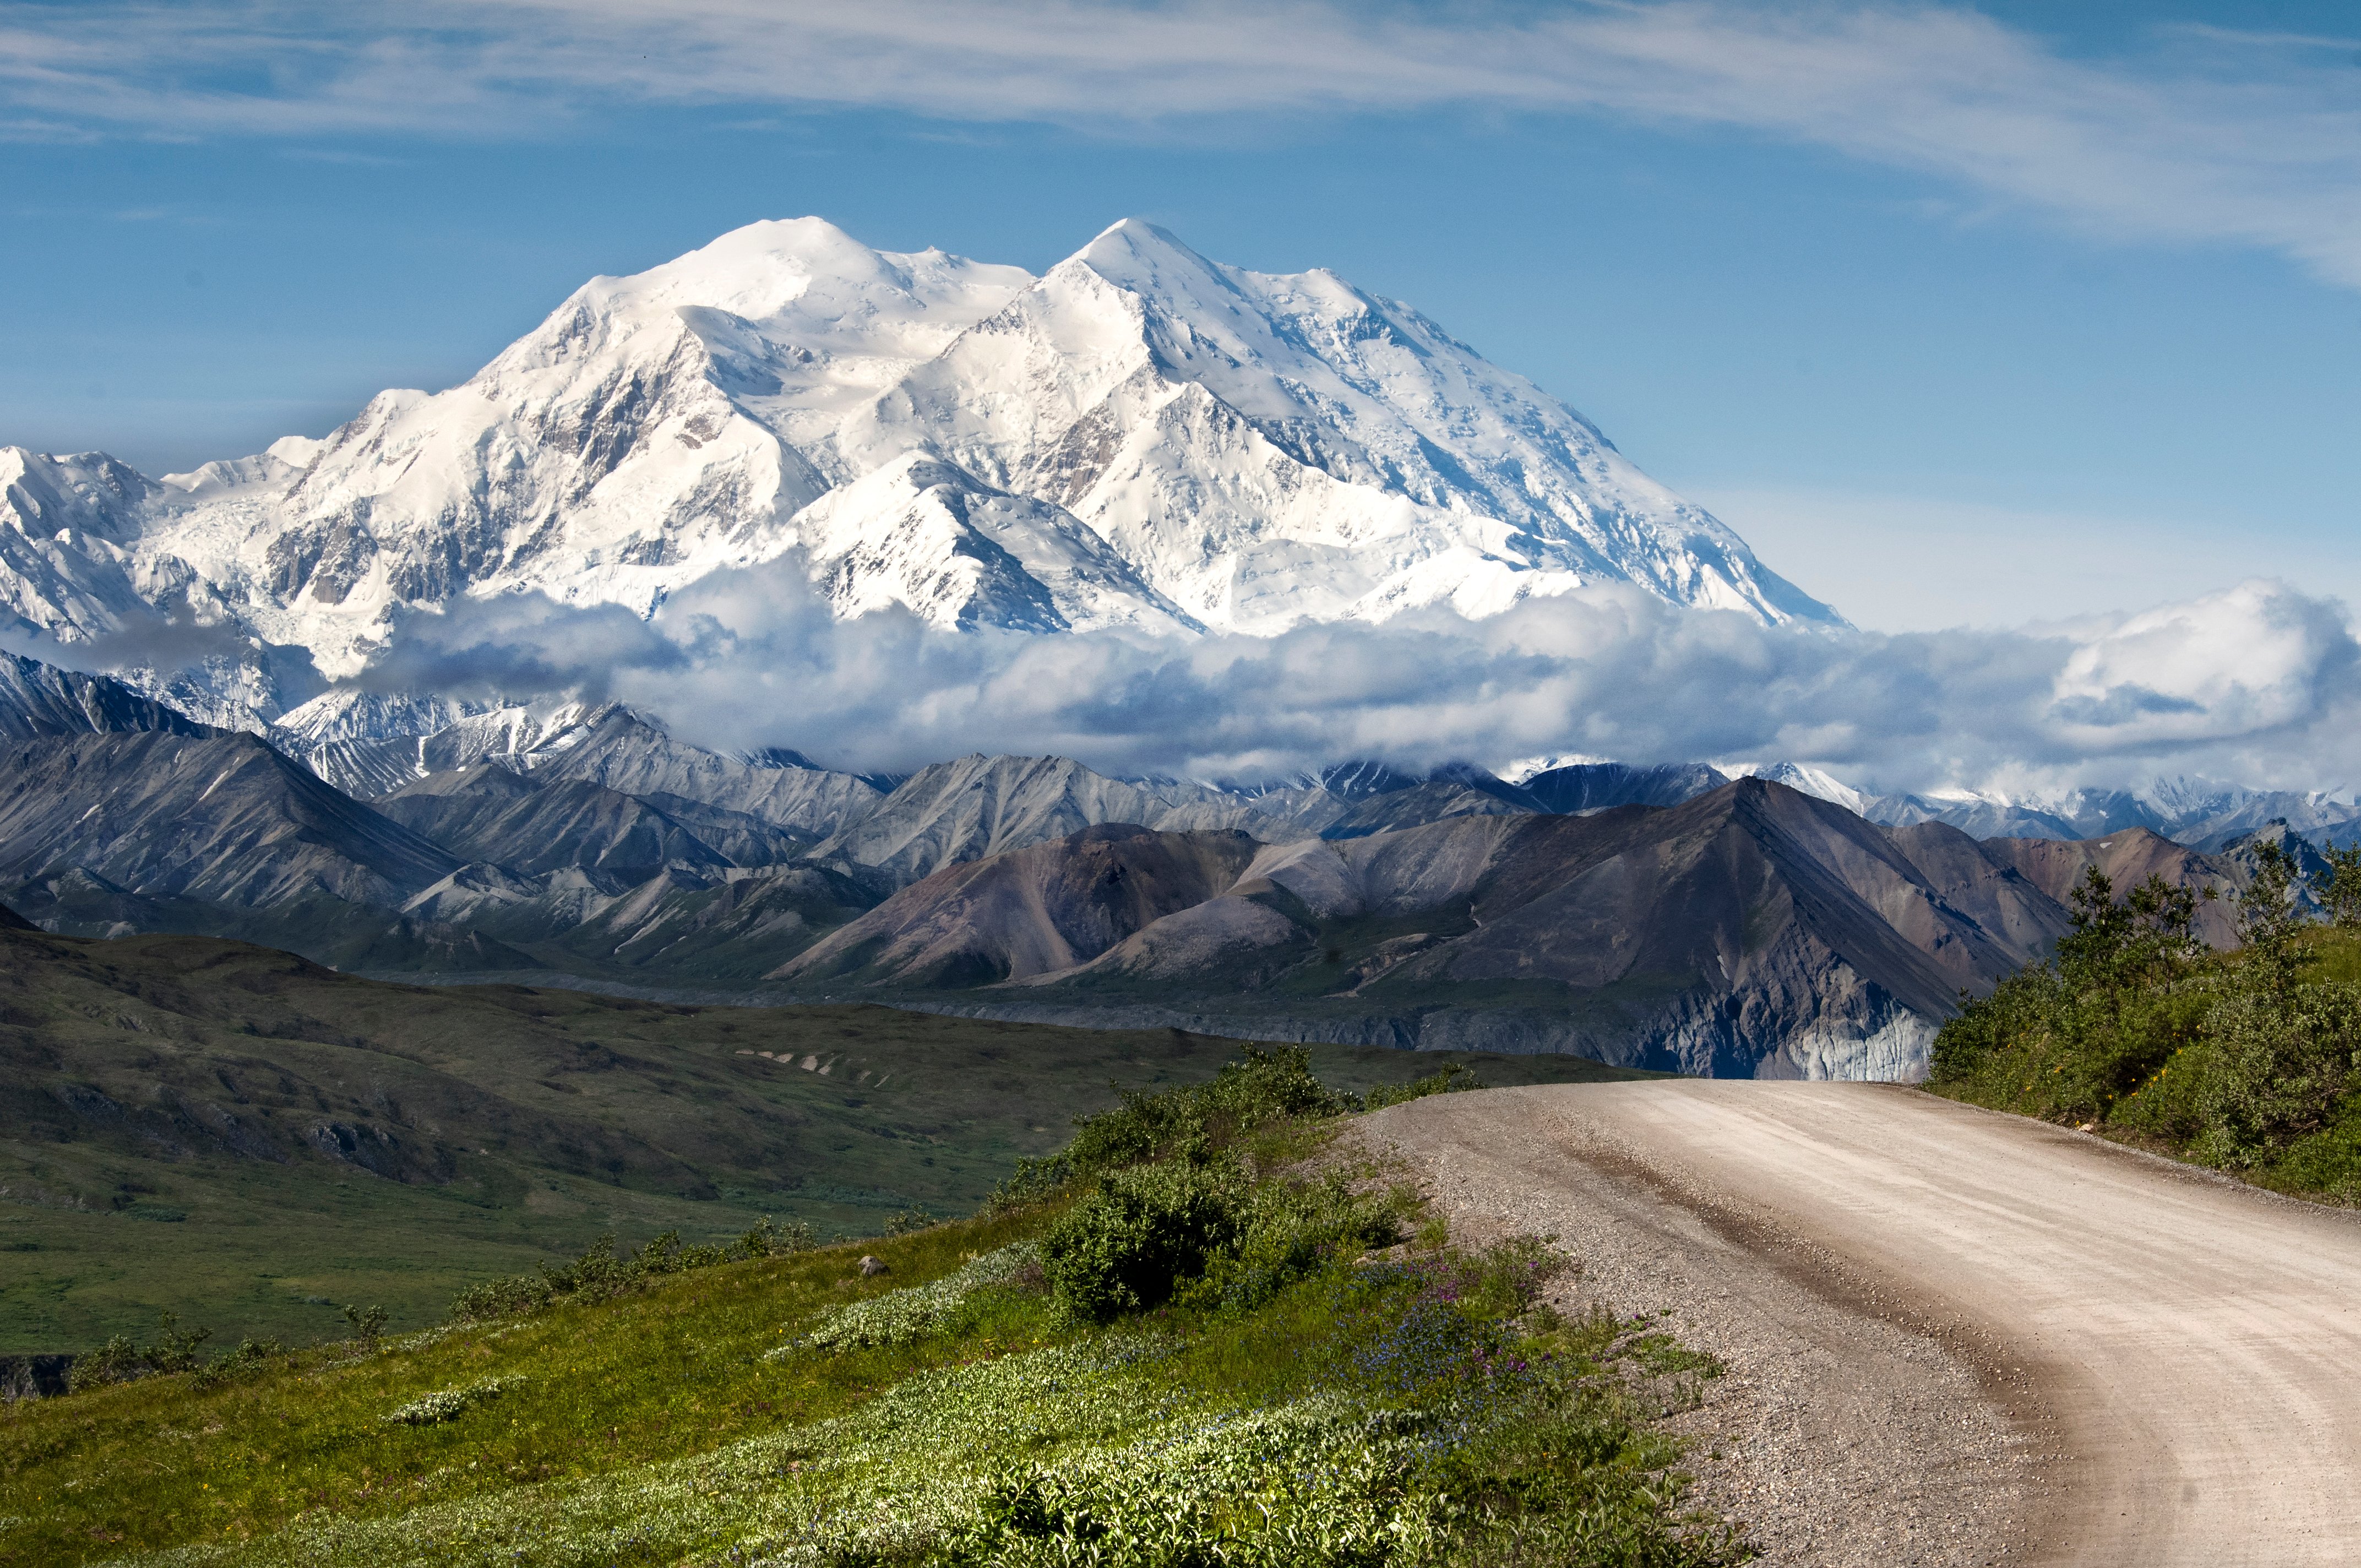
[1140, 437]
[2199, 812]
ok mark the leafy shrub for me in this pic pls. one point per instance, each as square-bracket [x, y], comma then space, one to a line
[1129, 1244]
[1035, 1180]
[1444, 1081]
[600, 1274]
[1290, 1230]
[2236, 1059]
[249, 1355]
[1263, 1088]
[2280, 1062]
[121, 1360]
[1314, 1484]
[2337, 885]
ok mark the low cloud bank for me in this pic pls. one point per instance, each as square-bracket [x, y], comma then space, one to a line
[2258, 684]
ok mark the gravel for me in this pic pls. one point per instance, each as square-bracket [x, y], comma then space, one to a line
[1849, 1429]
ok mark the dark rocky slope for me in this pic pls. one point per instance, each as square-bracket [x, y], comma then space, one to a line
[1751, 931]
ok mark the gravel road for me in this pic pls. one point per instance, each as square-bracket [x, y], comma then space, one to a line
[1953, 1336]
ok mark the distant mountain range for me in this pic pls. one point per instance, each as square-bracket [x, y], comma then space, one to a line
[1660, 917]
[1140, 437]
[2196, 812]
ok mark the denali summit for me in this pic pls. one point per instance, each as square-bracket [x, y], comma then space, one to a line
[1140, 438]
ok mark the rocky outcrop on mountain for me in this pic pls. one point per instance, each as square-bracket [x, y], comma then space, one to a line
[1751, 931]
[738, 927]
[979, 805]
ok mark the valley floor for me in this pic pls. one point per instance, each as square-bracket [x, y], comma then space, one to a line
[1955, 1336]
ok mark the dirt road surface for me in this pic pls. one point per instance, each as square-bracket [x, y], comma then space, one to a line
[1954, 1336]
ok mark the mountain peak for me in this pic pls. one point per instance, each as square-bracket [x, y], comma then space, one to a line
[1142, 437]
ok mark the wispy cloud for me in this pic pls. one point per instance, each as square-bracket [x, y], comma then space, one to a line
[2199, 136]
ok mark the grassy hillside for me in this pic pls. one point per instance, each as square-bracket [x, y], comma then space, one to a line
[254, 1142]
[2249, 1061]
[1185, 1341]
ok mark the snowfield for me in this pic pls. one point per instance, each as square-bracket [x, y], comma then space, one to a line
[1140, 438]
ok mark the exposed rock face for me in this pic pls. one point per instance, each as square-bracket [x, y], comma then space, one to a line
[1753, 931]
[978, 807]
[1030, 911]
[2126, 859]
[619, 750]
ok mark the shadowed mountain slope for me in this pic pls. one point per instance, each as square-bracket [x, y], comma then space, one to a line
[1595, 786]
[529, 826]
[222, 818]
[44, 699]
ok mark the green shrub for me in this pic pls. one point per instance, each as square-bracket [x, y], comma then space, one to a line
[1446, 1080]
[1264, 1087]
[120, 1360]
[2233, 1059]
[1289, 1231]
[2282, 1061]
[600, 1272]
[2337, 885]
[1128, 1244]
[249, 1355]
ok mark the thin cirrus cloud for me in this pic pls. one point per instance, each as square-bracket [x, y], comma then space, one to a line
[2202, 135]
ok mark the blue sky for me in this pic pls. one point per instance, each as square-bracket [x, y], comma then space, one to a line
[1959, 315]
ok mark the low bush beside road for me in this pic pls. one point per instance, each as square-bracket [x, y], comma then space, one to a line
[2249, 1061]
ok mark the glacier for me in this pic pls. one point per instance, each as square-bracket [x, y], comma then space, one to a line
[1140, 438]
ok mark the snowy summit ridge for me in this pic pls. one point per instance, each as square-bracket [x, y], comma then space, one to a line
[1140, 437]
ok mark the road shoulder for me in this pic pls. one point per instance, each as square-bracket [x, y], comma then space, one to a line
[1852, 1429]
